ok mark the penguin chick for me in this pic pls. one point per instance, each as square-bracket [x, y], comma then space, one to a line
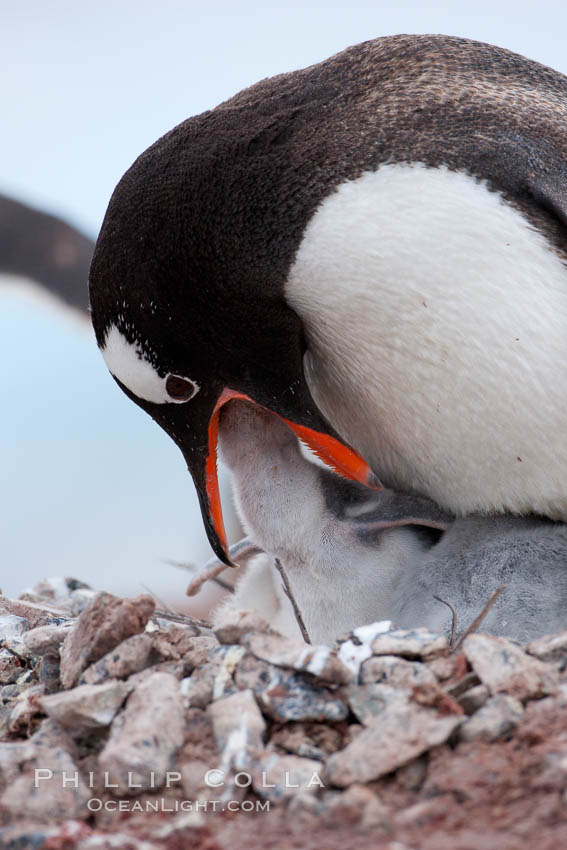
[475, 556]
[354, 556]
[317, 525]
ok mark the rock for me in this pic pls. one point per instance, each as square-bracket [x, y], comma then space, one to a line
[278, 778]
[411, 643]
[13, 758]
[62, 836]
[145, 736]
[25, 709]
[173, 668]
[357, 647]
[46, 640]
[199, 742]
[197, 689]
[424, 813]
[412, 776]
[80, 598]
[496, 719]
[17, 647]
[53, 588]
[49, 673]
[357, 806]
[35, 614]
[192, 628]
[549, 647]
[286, 695]
[46, 783]
[180, 826]
[473, 699]
[400, 733]
[397, 672]
[172, 642]
[464, 683]
[10, 667]
[234, 623]
[369, 701]
[113, 841]
[443, 668]
[103, 624]
[130, 656]
[320, 661]
[70, 594]
[193, 778]
[503, 667]
[86, 706]
[12, 626]
[214, 679]
[199, 651]
[238, 727]
[308, 740]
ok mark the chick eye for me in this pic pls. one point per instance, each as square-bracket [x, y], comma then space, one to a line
[180, 389]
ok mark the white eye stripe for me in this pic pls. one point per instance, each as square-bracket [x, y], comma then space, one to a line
[130, 364]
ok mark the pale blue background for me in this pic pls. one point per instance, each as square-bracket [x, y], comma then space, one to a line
[90, 487]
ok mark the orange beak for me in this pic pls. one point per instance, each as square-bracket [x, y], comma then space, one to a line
[342, 459]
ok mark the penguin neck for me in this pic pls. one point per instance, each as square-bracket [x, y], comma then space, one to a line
[435, 317]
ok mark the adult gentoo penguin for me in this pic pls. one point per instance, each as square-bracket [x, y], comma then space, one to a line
[375, 249]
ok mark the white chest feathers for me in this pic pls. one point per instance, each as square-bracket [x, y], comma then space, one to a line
[436, 318]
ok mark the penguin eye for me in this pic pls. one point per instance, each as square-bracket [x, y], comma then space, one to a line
[180, 389]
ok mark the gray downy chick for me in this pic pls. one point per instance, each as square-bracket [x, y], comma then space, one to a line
[354, 556]
[474, 557]
[344, 547]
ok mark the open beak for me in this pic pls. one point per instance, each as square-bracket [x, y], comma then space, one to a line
[341, 458]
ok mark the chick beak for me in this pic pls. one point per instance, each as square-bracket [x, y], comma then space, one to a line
[342, 459]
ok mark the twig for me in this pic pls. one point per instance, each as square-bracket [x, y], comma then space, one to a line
[289, 593]
[453, 619]
[181, 565]
[201, 579]
[208, 575]
[478, 620]
[185, 619]
[156, 597]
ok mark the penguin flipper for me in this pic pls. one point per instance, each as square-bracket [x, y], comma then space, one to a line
[393, 510]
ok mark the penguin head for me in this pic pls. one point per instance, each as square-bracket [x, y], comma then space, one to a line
[184, 326]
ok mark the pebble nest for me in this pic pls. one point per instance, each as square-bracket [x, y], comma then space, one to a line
[126, 727]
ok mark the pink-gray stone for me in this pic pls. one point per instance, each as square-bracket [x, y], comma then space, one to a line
[411, 643]
[103, 624]
[497, 718]
[319, 661]
[234, 623]
[42, 778]
[86, 706]
[473, 699]
[238, 727]
[399, 734]
[130, 656]
[369, 701]
[549, 647]
[277, 778]
[145, 736]
[397, 672]
[503, 667]
[286, 695]
[46, 640]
